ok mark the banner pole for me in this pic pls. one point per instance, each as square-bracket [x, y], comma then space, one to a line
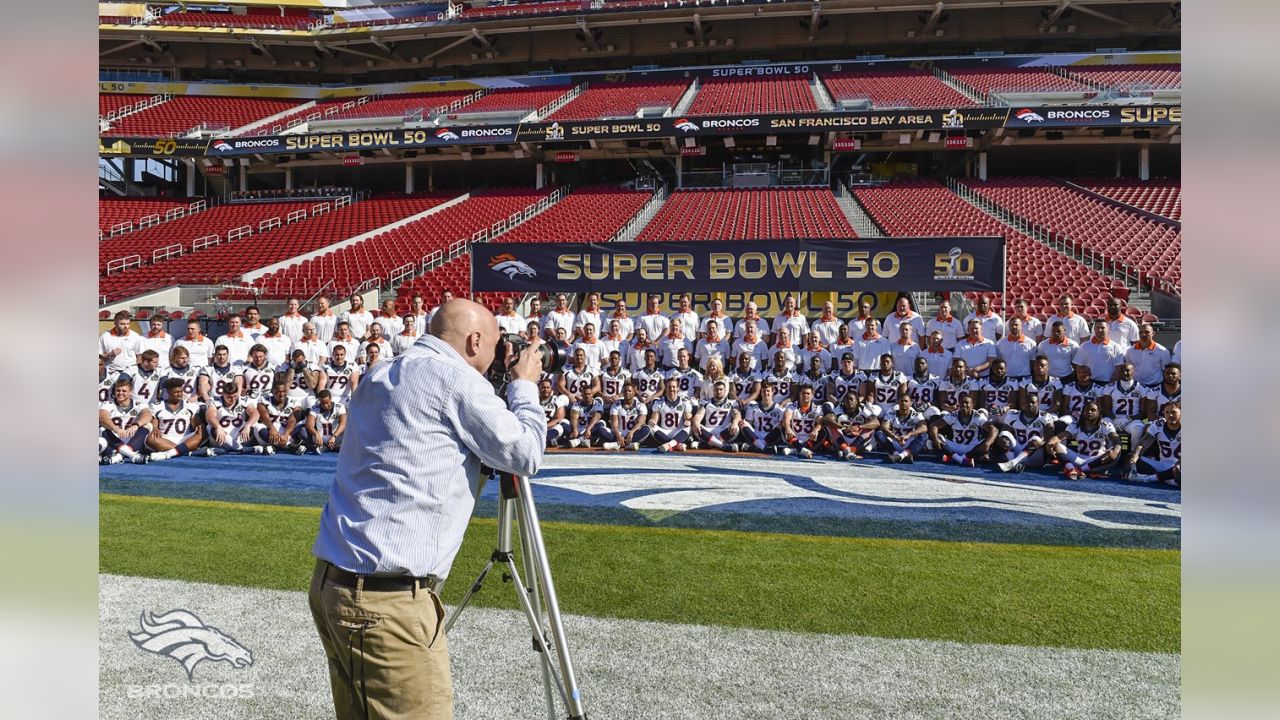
[1004, 282]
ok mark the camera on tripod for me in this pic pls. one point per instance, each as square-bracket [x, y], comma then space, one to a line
[555, 355]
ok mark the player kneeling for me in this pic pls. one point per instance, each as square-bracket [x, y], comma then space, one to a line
[717, 421]
[123, 426]
[278, 425]
[1020, 443]
[175, 427]
[1165, 435]
[326, 423]
[971, 434]
[586, 420]
[232, 417]
[1096, 440]
[903, 432]
[851, 431]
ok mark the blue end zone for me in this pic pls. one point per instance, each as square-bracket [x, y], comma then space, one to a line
[759, 494]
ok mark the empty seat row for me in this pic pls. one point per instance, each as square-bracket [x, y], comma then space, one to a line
[293, 19]
[986, 81]
[617, 100]
[749, 214]
[589, 214]
[1162, 196]
[741, 96]
[114, 211]
[894, 88]
[1131, 77]
[383, 106]
[186, 112]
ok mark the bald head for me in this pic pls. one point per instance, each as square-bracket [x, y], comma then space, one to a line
[469, 328]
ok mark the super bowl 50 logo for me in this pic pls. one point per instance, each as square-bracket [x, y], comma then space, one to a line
[955, 264]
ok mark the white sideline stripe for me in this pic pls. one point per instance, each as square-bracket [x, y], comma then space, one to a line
[260, 272]
[631, 669]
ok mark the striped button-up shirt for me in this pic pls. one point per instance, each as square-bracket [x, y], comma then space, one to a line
[418, 428]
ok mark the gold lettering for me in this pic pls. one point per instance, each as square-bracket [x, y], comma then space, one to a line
[622, 265]
[569, 269]
[752, 257]
[814, 272]
[681, 264]
[879, 261]
[787, 264]
[651, 267]
[721, 266]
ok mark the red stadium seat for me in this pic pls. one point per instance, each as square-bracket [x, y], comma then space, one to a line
[749, 214]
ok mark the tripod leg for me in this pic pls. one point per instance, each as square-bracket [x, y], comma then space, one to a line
[471, 591]
[535, 597]
[501, 553]
[539, 635]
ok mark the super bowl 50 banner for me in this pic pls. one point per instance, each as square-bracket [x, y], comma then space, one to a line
[882, 264]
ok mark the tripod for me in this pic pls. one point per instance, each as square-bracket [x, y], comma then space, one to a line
[515, 507]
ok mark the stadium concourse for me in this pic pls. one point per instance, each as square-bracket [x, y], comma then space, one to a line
[871, 501]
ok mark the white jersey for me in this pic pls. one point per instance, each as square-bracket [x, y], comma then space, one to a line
[670, 415]
[585, 412]
[611, 384]
[122, 416]
[176, 425]
[359, 322]
[1162, 397]
[740, 384]
[221, 378]
[887, 389]
[105, 384]
[232, 419]
[965, 432]
[947, 391]
[339, 380]
[1092, 442]
[997, 398]
[690, 381]
[781, 384]
[1126, 399]
[707, 387]
[1168, 442]
[843, 386]
[765, 420]
[648, 382]
[1024, 428]
[716, 416]
[574, 380]
[1076, 396]
[146, 386]
[597, 353]
[629, 417]
[806, 421]
[921, 390]
[864, 413]
[1046, 393]
[190, 377]
[820, 386]
[327, 422]
[300, 387]
[278, 415]
[258, 380]
[900, 426]
[553, 404]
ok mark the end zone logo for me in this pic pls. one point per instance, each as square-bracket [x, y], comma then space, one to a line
[1029, 116]
[221, 146]
[446, 134]
[687, 125]
[508, 264]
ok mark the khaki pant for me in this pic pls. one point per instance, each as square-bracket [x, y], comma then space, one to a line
[387, 653]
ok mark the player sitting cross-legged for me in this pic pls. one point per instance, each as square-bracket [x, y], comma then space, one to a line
[805, 421]
[717, 421]
[903, 432]
[971, 434]
[280, 423]
[586, 419]
[851, 429]
[174, 427]
[231, 417]
[669, 420]
[626, 418]
[1022, 433]
[1097, 444]
[326, 423]
[1165, 435]
[765, 423]
[123, 425]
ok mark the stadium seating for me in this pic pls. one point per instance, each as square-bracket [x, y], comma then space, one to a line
[454, 276]
[589, 214]
[1022, 80]
[381, 255]
[617, 100]
[525, 8]
[1162, 196]
[513, 100]
[1128, 77]
[742, 96]
[293, 19]
[749, 214]
[108, 102]
[923, 208]
[113, 211]
[894, 88]
[185, 112]
[373, 107]
[230, 260]
[1151, 249]
[184, 231]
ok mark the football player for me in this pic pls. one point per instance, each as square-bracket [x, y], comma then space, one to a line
[231, 417]
[970, 432]
[717, 420]
[326, 423]
[555, 407]
[999, 393]
[1166, 436]
[1097, 444]
[627, 417]
[746, 383]
[904, 431]
[215, 377]
[887, 385]
[341, 377]
[174, 427]
[613, 379]
[669, 417]
[1122, 404]
[259, 375]
[846, 381]
[107, 378]
[1074, 394]
[765, 422]
[279, 420]
[816, 379]
[586, 419]
[851, 430]
[1020, 440]
[180, 369]
[578, 376]
[146, 377]
[804, 421]
[1043, 389]
[123, 425]
[948, 389]
[921, 386]
[1168, 391]
[304, 379]
[650, 378]
[688, 376]
[781, 378]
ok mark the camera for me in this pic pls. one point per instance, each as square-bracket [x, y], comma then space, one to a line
[555, 356]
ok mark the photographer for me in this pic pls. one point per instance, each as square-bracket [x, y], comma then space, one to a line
[408, 474]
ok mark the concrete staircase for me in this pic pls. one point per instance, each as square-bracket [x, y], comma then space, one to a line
[856, 215]
[958, 86]
[820, 94]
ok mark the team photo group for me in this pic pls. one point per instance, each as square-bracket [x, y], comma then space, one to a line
[1086, 397]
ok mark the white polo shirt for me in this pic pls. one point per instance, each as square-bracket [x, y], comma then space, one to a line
[689, 323]
[199, 350]
[315, 350]
[992, 325]
[1077, 326]
[626, 326]
[597, 353]
[1148, 362]
[904, 356]
[867, 352]
[797, 325]
[291, 326]
[162, 344]
[1060, 357]
[513, 324]
[129, 344]
[1101, 358]
[656, 324]
[939, 362]
[724, 321]
[277, 348]
[324, 325]
[556, 320]
[392, 325]
[1123, 330]
[828, 330]
[740, 328]
[585, 316]
[358, 321]
[1031, 326]
[976, 353]
[237, 347]
[892, 323]
[1017, 355]
[952, 330]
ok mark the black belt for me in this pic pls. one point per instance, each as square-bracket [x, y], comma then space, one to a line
[379, 583]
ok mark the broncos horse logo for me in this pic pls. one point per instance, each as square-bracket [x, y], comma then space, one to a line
[507, 263]
[184, 637]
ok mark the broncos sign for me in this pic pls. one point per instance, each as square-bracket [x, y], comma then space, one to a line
[181, 635]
